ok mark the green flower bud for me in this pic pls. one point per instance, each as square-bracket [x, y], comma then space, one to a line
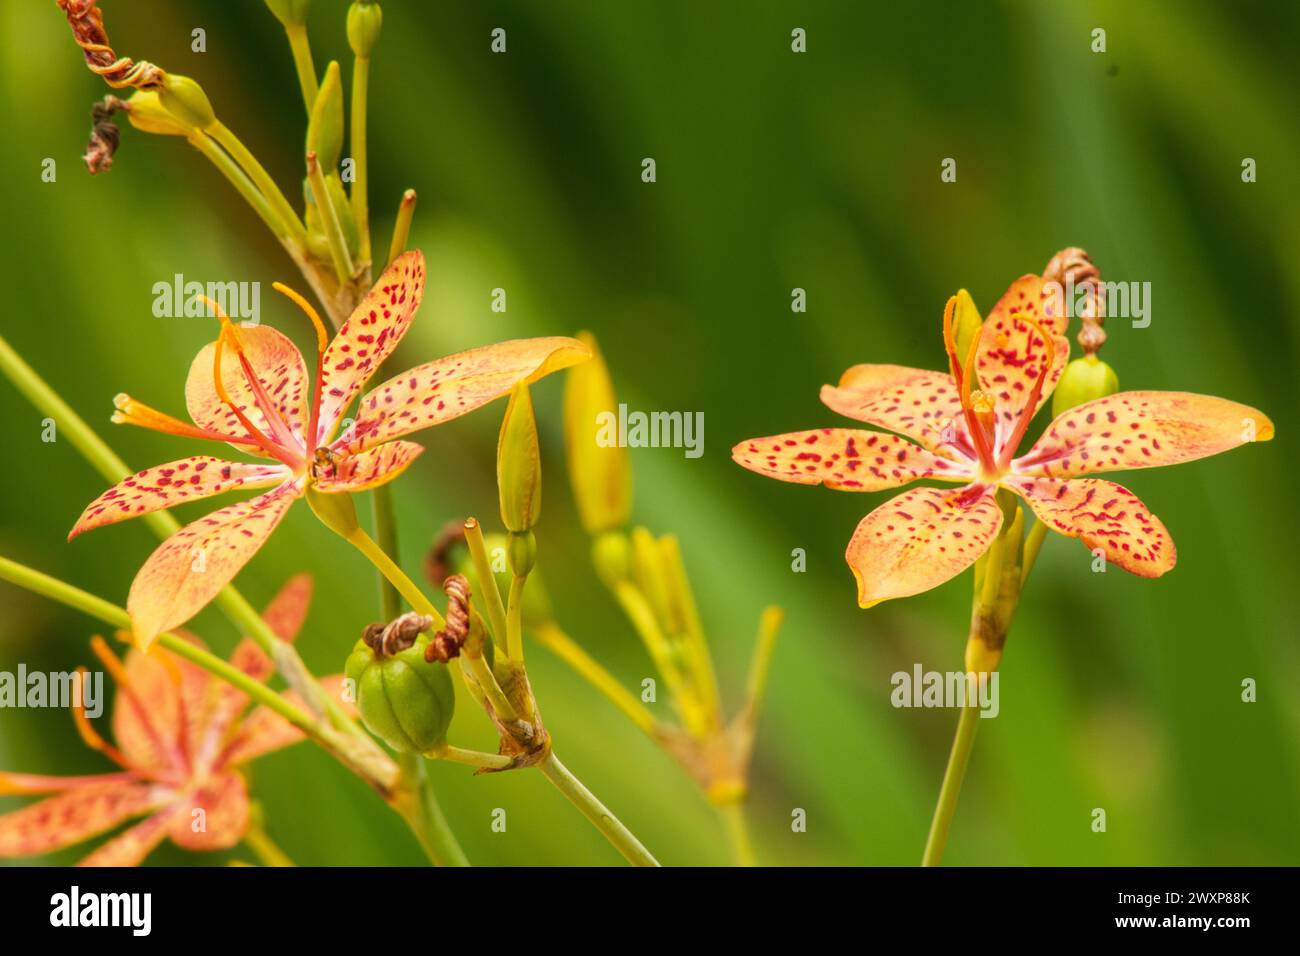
[185, 100]
[966, 323]
[521, 550]
[601, 476]
[325, 130]
[1084, 380]
[292, 13]
[335, 510]
[519, 463]
[146, 113]
[404, 700]
[364, 21]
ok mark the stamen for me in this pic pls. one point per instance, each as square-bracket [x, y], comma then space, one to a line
[322, 343]
[1035, 393]
[131, 412]
[117, 670]
[980, 435]
[950, 340]
[270, 447]
[87, 732]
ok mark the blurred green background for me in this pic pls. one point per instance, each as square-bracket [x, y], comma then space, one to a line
[775, 170]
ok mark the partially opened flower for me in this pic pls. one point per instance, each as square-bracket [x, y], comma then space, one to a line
[180, 736]
[251, 389]
[967, 425]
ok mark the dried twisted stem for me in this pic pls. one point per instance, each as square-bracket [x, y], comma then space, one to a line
[1073, 267]
[87, 23]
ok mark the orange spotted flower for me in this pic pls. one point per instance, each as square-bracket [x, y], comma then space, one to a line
[968, 426]
[181, 736]
[250, 389]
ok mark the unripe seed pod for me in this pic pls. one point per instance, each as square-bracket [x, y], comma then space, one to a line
[146, 113]
[1084, 380]
[404, 700]
[364, 21]
[186, 101]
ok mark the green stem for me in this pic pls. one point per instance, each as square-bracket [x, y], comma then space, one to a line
[1033, 544]
[487, 582]
[381, 505]
[300, 45]
[360, 203]
[515, 618]
[474, 758]
[951, 788]
[733, 816]
[419, 807]
[237, 178]
[389, 569]
[260, 177]
[339, 254]
[620, 836]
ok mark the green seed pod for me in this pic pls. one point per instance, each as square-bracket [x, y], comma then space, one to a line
[519, 464]
[146, 113]
[325, 131]
[292, 13]
[364, 21]
[186, 101]
[1084, 380]
[404, 700]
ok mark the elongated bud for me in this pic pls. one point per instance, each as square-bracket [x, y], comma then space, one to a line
[519, 464]
[598, 468]
[325, 130]
[146, 113]
[185, 100]
[966, 323]
[335, 511]
[404, 699]
[1084, 380]
[292, 13]
[364, 21]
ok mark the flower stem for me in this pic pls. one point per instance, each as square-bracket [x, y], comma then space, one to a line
[419, 807]
[951, 788]
[243, 185]
[569, 651]
[487, 582]
[595, 811]
[360, 204]
[381, 504]
[405, 586]
[260, 177]
[475, 758]
[300, 46]
[329, 221]
[402, 227]
[733, 816]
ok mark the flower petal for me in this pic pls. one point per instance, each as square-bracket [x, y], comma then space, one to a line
[846, 459]
[450, 387]
[130, 847]
[174, 483]
[923, 405]
[1104, 515]
[366, 469]
[1141, 430]
[34, 783]
[1012, 353]
[920, 539]
[147, 718]
[71, 817]
[280, 370]
[368, 337]
[224, 802]
[265, 731]
[189, 568]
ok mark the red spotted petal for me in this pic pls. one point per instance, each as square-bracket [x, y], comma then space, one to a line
[134, 844]
[1104, 515]
[847, 459]
[283, 376]
[71, 817]
[368, 337]
[213, 817]
[1142, 430]
[1012, 353]
[366, 469]
[920, 539]
[195, 563]
[450, 387]
[174, 483]
[30, 784]
[147, 714]
[925, 406]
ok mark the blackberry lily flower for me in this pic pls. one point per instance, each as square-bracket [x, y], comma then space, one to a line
[967, 427]
[250, 389]
[180, 736]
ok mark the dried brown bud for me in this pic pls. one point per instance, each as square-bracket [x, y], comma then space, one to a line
[397, 635]
[87, 23]
[104, 135]
[447, 643]
[438, 563]
[1073, 269]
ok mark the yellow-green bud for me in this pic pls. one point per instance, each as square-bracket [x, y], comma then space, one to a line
[364, 21]
[146, 113]
[1084, 380]
[521, 551]
[185, 100]
[601, 476]
[325, 130]
[404, 700]
[519, 463]
[292, 13]
[611, 553]
[966, 323]
[335, 510]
